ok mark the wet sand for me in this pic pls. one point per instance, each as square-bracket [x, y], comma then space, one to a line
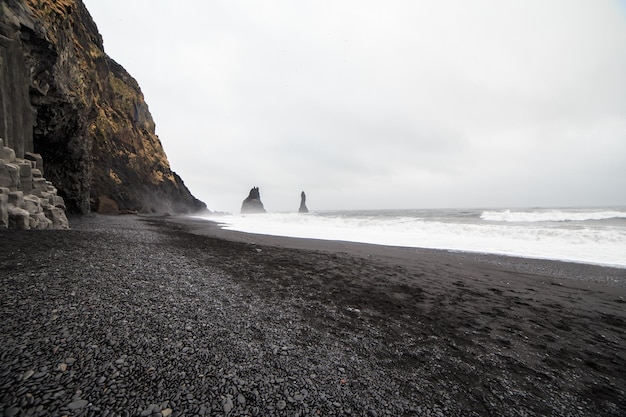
[239, 324]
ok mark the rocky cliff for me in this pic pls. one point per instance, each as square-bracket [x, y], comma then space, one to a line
[61, 96]
[27, 199]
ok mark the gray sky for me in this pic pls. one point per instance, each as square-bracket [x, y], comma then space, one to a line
[383, 104]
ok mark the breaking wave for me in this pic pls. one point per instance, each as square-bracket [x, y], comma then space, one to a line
[577, 235]
[551, 215]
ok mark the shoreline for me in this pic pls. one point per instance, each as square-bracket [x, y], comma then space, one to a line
[604, 274]
[141, 315]
[565, 235]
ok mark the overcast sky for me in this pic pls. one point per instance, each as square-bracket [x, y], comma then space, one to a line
[383, 104]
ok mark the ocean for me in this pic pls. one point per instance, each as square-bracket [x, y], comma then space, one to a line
[585, 235]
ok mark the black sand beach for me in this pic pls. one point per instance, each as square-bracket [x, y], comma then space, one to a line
[130, 316]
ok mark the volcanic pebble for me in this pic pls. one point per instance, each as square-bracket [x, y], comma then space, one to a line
[129, 316]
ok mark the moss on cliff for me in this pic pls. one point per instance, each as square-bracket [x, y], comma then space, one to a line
[92, 124]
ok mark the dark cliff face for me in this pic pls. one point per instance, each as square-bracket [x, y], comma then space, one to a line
[64, 98]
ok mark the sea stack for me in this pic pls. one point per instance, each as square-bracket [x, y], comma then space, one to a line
[303, 208]
[252, 203]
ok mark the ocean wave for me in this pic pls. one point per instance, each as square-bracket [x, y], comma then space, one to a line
[550, 215]
[586, 242]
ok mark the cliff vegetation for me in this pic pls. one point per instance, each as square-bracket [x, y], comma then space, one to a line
[63, 97]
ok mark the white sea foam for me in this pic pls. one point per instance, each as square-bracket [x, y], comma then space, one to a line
[549, 236]
[539, 215]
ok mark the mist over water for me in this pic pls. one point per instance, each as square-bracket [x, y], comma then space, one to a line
[596, 236]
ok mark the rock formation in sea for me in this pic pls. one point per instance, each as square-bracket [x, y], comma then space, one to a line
[63, 97]
[303, 208]
[252, 203]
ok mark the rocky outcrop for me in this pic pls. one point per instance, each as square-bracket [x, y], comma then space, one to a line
[252, 203]
[62, 97]
[27, 199]
[303, 208]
